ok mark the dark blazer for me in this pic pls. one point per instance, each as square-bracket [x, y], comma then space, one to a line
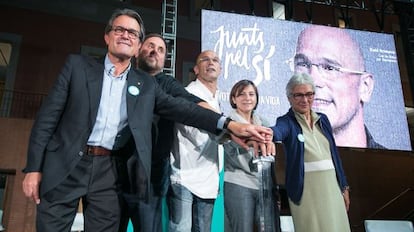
[67, 116]
[287, 130]
[163, 134]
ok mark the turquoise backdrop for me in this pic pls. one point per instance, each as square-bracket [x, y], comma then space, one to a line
[218, 213]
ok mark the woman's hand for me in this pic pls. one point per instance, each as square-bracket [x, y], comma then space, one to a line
[346, 198]
[266, 149]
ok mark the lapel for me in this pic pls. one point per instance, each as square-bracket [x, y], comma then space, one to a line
[94, 75]
[134, 81]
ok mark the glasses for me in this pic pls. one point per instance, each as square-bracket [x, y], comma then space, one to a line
[327, 69]
[208, 59]
[132, 34]
[299, 96]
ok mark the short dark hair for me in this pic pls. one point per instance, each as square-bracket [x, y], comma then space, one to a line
[151, 35]
[238, 88]
[130, 13]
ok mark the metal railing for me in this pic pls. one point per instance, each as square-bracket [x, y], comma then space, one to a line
[19, 104]
[407, 216]
[392, 201]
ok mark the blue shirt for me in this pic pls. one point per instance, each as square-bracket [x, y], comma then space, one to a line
[112, 112]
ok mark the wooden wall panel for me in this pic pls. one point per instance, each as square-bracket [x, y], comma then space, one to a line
[382, 184]
[18, 211]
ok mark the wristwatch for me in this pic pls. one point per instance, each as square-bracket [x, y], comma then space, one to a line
[226, 123]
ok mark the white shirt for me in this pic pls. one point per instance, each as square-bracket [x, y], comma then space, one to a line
[196, 159]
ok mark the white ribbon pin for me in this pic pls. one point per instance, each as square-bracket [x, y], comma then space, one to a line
[133, 90]
[301, 138]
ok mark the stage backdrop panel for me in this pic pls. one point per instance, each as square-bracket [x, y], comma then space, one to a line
[258, 48]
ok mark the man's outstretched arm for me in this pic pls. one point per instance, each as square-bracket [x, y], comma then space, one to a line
[243, 133]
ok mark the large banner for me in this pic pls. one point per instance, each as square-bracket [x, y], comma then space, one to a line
[355, 72]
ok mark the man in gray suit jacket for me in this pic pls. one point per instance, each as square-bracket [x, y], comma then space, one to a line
[96, 115]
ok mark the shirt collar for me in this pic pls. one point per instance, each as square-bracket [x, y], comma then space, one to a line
[110, 68]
